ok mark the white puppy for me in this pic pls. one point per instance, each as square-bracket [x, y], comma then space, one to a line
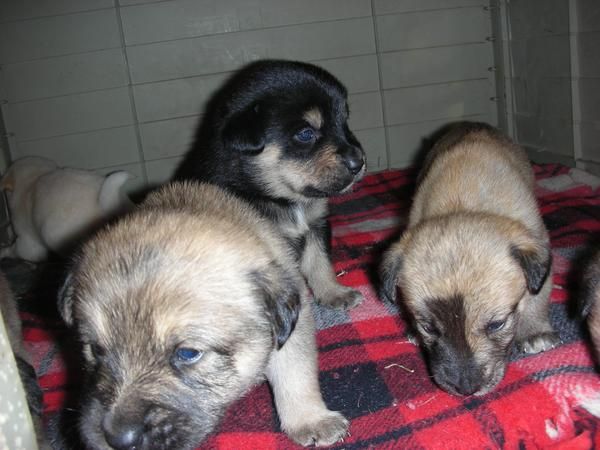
[52, 208]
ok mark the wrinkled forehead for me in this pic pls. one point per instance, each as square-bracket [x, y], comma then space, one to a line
[159, 311]
[460, 309]
[476, 271]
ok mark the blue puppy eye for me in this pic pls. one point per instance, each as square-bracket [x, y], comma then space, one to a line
[188, 355]
[305, 135]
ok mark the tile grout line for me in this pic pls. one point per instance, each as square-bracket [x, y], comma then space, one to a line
[381, 91]
[136, 123]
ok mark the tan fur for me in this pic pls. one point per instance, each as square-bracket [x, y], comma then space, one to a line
[474, 216]
[288, 178]
[314, 118]
[182, 271]
[285, 178]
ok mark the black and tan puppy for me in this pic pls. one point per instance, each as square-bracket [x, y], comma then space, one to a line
[181, 307]
[589, 302]
[277, 136]
[474, 265]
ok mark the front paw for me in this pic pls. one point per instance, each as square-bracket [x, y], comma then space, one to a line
[341, 298]
[539, 343]
[328, 429]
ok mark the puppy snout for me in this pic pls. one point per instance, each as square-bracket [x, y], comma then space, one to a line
[122, 434]
[465, 385]
[353, 159]
[464, 379]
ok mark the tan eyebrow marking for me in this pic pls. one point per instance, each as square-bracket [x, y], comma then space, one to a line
[314, 118]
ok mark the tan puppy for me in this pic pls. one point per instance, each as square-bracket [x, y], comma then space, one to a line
[590, 300]
[182, 307]
[474, 264]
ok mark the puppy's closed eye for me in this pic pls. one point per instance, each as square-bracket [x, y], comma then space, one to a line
[429, 328]
[495, 326]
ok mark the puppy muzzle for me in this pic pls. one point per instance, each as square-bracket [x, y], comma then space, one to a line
[459, 375]
[353, 158]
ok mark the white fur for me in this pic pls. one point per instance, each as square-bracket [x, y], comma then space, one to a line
[51, 207]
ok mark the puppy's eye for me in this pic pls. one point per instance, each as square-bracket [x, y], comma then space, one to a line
[429, 328]
[495, 325]
[97, 351]
[305, 135]
[188, 355]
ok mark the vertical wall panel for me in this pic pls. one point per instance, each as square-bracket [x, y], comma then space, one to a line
[587, 83]
[541, 87]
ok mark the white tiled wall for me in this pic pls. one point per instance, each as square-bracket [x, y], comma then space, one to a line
[106, 85]
[540, 60]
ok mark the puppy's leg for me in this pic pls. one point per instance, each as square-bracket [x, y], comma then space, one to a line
[293, 375]
[317, 269]
[30, 249]
[9, 252]
[535, 333]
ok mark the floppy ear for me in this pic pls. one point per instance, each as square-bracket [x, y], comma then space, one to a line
[535, 259]
[244, 131]
[589, 288]
[7, 183]
[282, 301]
[589, 296]
[65, 300]
[389, 271]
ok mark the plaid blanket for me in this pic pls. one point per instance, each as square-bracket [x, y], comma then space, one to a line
[378, 379]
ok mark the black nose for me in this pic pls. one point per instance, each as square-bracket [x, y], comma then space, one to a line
[353, 160]
[122, 435]
[463, 382]
[466, 386]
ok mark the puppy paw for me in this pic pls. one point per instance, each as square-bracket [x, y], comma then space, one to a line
[327, 429]
[342, 298]
[539, 343]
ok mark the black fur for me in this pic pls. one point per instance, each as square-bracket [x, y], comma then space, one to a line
[32, 388]
[451, 359]
[388, 276]
[589, 284]
[264, 104]
[282, 302]
[535, 265]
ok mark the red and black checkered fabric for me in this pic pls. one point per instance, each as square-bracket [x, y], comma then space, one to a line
[371, 373]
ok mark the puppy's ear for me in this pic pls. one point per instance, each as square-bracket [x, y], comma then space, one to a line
[589, 289]
[282, 301]
[65, 300]
[244, 131]
[7, 183]
[389, 272]
[535, 259]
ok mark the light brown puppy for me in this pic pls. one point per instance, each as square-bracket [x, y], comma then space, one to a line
[590, 300]
[182, 307]
[474, 265]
